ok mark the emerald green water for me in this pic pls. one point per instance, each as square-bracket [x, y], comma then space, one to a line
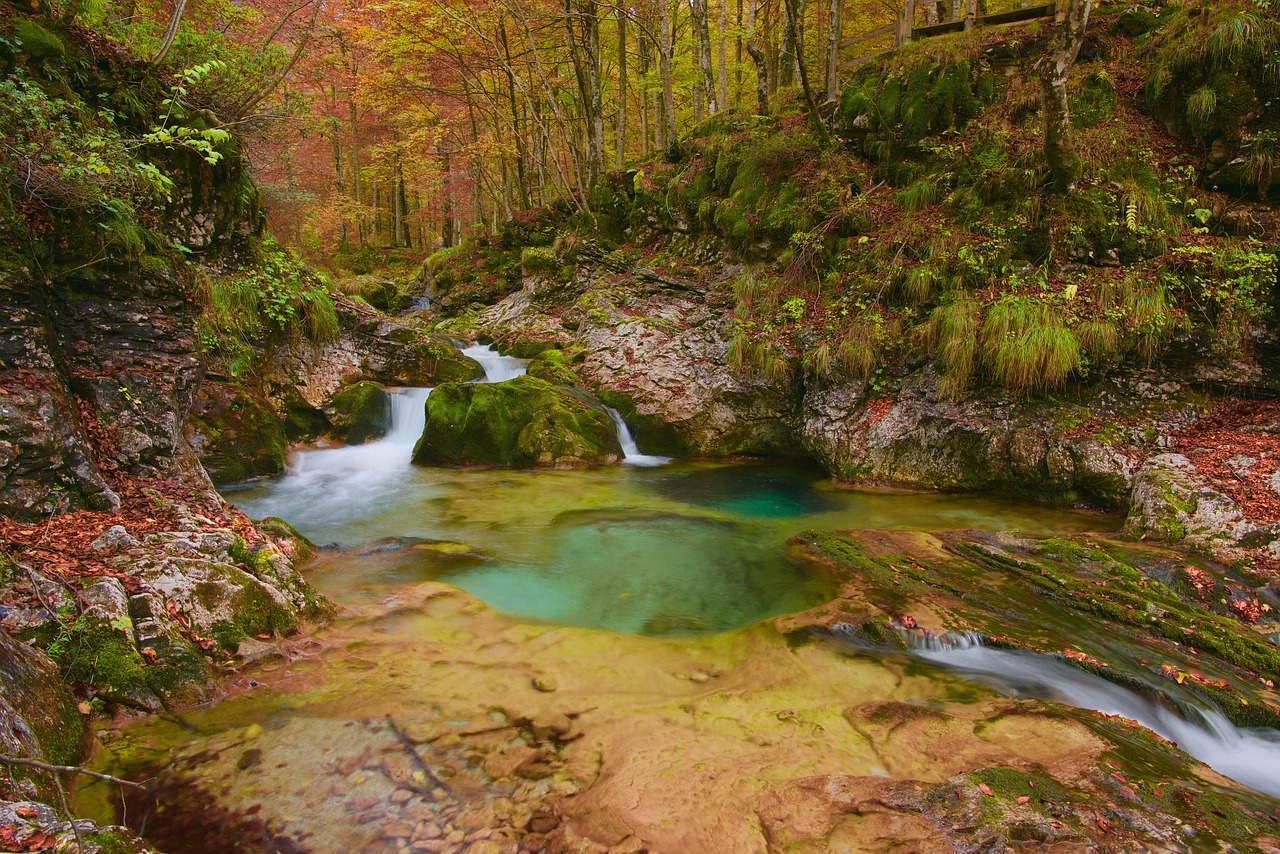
[681, 550]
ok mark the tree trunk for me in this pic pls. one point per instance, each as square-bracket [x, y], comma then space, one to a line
[758, 57]
[722, 78]
[815, 118]
[970, 14]
[787, 50]
[522, 149]
[446, 197]
[835, 34]
[620, 155]
[1054, 69]
[930, 12]
[355, 168]
[702, 53]
[669, 131]
[170, 32]
[642, 56]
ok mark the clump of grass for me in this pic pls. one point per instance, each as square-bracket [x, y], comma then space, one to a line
[952, 333]
[921, 282]
[867, 342]
[1026, 345]
[1101, 339]
[920, 195]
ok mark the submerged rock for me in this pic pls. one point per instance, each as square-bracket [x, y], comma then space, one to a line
[524, 422]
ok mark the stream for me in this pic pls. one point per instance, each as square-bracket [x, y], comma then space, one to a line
[636, 584]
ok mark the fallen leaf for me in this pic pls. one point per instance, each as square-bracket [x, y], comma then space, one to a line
[1023, 799]
[986, 790]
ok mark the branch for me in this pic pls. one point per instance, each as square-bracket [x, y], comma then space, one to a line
[72, 769]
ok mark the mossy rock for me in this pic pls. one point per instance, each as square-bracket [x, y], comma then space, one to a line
[302, 421]
[303, 548]
[359, 413]
[235, 433]
[447, 364]
[42, 719]
[37, 42]
[524, 422]
[553, 366]
[1138, 21]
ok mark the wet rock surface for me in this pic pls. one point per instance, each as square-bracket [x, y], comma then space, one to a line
[778, 745]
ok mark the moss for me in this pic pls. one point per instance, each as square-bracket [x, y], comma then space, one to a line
[37, 42]
[524, 422]
[553, 366]
[359, 413]
[240, 434]
[303, 548]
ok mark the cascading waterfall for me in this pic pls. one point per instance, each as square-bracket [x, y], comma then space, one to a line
[354, 481]
[1249, 756]
[630, 451]
[497, 367]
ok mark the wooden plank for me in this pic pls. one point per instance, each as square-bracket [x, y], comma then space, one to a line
[937, 29]
[1017, 15]
[871, 57]
[887, 29]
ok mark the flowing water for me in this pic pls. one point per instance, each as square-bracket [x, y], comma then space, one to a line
[657, 561]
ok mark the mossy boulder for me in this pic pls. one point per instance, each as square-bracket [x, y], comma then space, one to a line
[38, 717]
[554, 367]
[235, 433]
[524, 422]
[359, 413]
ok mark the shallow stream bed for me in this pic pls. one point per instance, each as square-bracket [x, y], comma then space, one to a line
[576, 659]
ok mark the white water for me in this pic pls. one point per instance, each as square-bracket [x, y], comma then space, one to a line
[497, 367]
[1249, 756]
[352, 482]
[630, 451]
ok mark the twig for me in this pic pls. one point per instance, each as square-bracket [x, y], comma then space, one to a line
[66, 810]
[413, 754]
[73, 769]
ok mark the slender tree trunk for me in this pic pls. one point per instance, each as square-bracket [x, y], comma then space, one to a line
[642, 56]
[970, 14]
[835, 34]
[1054, 69]
[620, 155]
[585, 53]
[702, 54]
[170, 32]
[737, 68]
[339, 187]
[669, 131]
[787, 51]
[815, 118]
[930, 11]
[522, 152]
[353, 115]
[722, 72]
[446, 196]
[758, 57]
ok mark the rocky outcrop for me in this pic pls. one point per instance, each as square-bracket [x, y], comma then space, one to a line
[138, 614]
[40, 721]
[524, 422]
[1175, 501]
[653, 347]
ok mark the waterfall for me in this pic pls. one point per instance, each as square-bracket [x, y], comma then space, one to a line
[352, 482]
[497, 367]
[630, 451]
[1248, 756]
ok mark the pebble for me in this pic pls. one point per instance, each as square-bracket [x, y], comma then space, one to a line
[546, 684]
[428, 830]
[397, 830]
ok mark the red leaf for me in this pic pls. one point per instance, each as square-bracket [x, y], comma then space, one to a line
[986, 790]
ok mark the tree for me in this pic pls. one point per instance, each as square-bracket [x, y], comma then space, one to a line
[1054, 69]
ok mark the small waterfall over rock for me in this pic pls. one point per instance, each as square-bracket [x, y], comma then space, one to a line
[1249, 756]
[497, 367]
[630, 451]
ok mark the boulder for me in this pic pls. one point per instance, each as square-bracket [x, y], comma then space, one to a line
[359, 413]
[236, 433]
[38, 717]
[524, 422]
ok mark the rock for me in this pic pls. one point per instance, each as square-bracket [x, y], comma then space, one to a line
[39, 718]
[359, 413]
[236, 433]
[544, 683]
[552, 366]
[106, 653]
[1172, 500]
[115, 537]
[524, 422]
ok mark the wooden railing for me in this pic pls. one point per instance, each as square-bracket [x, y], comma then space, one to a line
[904, 29]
